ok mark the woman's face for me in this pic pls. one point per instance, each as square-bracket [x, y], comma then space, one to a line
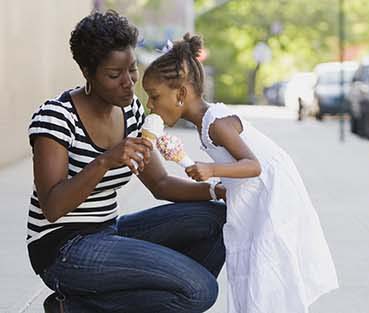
[115, 78]
[163, 101]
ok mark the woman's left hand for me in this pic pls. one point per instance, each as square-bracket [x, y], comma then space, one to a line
[200, 171]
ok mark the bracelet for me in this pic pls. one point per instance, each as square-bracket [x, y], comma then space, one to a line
[212, 184]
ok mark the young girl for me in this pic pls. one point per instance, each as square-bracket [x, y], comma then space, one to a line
[277, 258]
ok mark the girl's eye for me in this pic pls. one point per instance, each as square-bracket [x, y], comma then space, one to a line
[113, 76]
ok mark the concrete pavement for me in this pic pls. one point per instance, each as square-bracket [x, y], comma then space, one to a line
[336, 175]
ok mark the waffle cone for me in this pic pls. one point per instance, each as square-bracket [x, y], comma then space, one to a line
[148, 135]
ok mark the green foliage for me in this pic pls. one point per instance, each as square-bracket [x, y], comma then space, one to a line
[309, 36]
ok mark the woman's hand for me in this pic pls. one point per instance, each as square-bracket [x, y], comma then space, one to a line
[221, 192]
[200, 171]
[137, 149]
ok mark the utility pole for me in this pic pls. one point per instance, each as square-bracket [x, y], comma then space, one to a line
[341, 24]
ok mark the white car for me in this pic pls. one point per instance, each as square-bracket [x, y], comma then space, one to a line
[331, 97]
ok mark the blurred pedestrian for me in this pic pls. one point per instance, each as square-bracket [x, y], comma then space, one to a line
[301, 109]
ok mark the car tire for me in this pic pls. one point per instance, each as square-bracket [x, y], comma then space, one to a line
[365, 124]
[354, 125]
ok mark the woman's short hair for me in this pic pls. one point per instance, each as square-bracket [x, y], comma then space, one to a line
[96, 35]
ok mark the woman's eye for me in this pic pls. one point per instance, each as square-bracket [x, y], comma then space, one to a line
[134, 69]
[113, 76]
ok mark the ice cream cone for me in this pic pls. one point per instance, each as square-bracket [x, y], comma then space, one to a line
[171, 148]
[153, 127]
[148, 135]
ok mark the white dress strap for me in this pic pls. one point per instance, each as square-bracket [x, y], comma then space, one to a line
[215, 111]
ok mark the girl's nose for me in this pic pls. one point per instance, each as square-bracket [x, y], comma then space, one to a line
[149, 105]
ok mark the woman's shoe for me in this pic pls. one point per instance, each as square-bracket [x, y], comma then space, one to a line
[53, 305]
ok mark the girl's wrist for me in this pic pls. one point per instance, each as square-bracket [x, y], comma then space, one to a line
[213, 170]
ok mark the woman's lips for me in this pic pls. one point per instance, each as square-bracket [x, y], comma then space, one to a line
[128, 96]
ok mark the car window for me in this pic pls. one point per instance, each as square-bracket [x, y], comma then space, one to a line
[365, 74]
[334, 77]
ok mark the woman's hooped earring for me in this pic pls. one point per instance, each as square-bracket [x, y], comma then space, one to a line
[87, 88]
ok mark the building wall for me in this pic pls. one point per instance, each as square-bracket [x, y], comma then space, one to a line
[35, 64]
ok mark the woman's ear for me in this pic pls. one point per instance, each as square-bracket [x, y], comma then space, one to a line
[85, 72]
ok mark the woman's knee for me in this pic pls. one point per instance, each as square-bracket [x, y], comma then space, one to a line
[207, 294]
[201, 291]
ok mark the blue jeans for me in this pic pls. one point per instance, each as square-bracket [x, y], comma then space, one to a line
[164, 259]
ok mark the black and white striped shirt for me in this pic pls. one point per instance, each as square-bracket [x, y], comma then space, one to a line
[58, 119]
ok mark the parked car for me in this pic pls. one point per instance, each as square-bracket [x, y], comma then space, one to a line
[359, 100]
[275, 93]
[328, 91]
[300, 94]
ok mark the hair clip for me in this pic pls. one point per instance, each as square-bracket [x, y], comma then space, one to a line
[167, 47]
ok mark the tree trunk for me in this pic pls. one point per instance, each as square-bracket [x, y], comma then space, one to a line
[252, 84]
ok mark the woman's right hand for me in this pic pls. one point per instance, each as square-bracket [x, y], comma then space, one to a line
[137, 149]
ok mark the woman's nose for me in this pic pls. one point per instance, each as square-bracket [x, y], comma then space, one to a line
[127, 81]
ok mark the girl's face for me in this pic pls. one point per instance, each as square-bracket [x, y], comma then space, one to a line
[163, 101]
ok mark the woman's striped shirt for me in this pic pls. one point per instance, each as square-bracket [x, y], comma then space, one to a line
[58, 119]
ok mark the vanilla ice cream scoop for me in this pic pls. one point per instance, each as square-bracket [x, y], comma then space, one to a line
[171, 148]
[153, 127]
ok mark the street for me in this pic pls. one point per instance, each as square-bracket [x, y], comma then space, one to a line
[336, 175]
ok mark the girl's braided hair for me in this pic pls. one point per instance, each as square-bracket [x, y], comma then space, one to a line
[180, 64]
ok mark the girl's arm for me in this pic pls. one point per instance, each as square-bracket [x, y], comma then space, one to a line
[226, 132]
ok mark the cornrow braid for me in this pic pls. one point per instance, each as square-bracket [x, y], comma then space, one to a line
[180, 64]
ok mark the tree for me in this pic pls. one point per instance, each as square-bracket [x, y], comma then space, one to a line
[309, 36]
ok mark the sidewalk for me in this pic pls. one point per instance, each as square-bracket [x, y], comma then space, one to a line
[336, 175]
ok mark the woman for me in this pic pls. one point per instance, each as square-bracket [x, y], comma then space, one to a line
[164, 259]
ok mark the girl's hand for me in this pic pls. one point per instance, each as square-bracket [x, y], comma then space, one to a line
[200, 171]
[138, 149]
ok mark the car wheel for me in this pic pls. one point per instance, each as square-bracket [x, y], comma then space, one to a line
[365, 124]
[353, 124]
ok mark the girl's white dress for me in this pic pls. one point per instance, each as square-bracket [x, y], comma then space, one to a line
[277, 257]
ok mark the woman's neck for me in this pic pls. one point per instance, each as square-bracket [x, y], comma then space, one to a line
[195, 112]
[95, 104]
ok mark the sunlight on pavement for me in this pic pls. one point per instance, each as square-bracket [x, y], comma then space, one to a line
[264, 112]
